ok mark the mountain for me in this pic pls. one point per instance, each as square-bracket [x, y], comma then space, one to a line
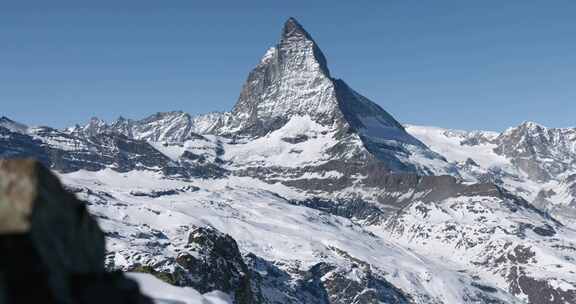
[291, 92]
[296, 125]
[161, 127]
[539, 152]
[308, 192]
[530, 160]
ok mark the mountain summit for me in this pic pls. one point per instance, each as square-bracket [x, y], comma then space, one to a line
[293, 81]
[291, 95]
[295, 35]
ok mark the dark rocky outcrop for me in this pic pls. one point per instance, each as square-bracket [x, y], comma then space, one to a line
[215, 262]
[210, 261]
[52, 249]
[325, 283]
[340, 288]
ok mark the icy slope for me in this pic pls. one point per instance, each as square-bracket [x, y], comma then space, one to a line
[164, 293]
[510, 246]
[151, 230]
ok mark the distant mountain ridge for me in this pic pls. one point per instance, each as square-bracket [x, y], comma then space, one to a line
[533, 161]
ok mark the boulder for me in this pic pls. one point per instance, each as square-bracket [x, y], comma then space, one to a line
[53, 250]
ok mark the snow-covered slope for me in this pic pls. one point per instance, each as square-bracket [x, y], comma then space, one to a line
[164, 293]
[149, 225]
[495, 241]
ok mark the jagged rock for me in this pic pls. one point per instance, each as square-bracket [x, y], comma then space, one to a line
[210, 261]
[540, 152]
[357, 285]
[215, 263]
[292, 80]
[352, 282]
[50, 244]
[175, 126]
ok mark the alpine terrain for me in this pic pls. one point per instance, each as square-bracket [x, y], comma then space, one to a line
[308, 192]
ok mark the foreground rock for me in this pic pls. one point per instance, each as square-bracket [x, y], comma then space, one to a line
[52, 249]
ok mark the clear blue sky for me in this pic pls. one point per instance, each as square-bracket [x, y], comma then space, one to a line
[456, 64]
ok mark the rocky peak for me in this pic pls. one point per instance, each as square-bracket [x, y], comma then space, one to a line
[174, 126]
[293, 28]
[5, 120]
[172, 115]
[123, 126]
[295, 39]
[292, 82]
[530, 125]
[11, 125]
[94, 127]
[212, 261]
[292, 79]
[539, 151]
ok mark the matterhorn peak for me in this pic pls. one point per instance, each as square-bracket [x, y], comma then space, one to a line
[292, 83]
[293, 28]
[297, 44]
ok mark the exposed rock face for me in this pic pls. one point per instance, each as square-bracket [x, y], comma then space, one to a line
[352, 281]
[209, 261]
[213, 261]
[66, 151]
[293, 80]
[173, 126]
[542, 153]
[47, 236]
[354, 285]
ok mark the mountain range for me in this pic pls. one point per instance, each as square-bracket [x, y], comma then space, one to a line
[308, 192]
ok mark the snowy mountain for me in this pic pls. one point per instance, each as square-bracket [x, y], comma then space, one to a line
[532, 161]
[308, 192]
[291, 92]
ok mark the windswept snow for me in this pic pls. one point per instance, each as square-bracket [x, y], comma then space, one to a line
[164, 293]
[449, 144]
[296, 237]
[301, 141]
